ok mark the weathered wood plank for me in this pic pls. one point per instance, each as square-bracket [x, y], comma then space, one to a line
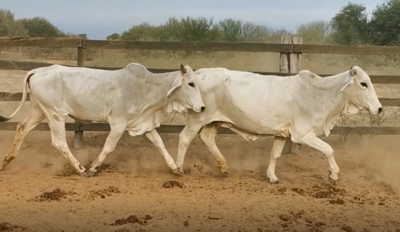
[174, 129]
[21, 65]
[351, 50]
[188, 46]
[196, 46]
[48, 42]
[11, 126]
[81, 61]
[243, 47]
[24, 65]
[7, 96]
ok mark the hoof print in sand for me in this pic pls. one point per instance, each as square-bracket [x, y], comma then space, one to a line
[173, 183]
[132, 219]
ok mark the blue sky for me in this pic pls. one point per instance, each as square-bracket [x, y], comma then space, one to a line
[99, 18]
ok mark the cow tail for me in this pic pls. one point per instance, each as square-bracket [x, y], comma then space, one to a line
[24, 94]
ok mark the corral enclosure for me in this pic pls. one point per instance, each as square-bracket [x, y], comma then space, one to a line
[365, 199]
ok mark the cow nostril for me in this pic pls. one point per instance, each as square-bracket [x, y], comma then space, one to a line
[203, 108]
[380, 110]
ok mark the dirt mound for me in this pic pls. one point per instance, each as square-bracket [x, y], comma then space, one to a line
[104, 192]
[55, 195]
[173, 183]
[7, 227]
[132, 219]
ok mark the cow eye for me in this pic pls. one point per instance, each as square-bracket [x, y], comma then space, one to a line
[363, 84]
[191, 84]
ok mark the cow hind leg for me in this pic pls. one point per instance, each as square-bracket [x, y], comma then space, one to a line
[59, 141]
[207, 135]
[185, 138]
[155, 138]
[276, 151]
[116, 132]
[23, 129]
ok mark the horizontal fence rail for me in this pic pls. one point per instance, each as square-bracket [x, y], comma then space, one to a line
[99, 127]
[74, 42]
[7, 96]
[25, 65]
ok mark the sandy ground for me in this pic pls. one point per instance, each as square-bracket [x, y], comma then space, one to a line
[38, 192]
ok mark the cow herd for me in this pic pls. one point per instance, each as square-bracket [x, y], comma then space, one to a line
[301, 107]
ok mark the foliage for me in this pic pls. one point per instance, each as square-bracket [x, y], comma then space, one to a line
[8, 26]
[40, 27]
[190, 29]
[315, 32]
[385, 21]
[143, 31]
[113, 36]
[350, 25]
[234, 30]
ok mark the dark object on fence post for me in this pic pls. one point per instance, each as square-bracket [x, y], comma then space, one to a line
[81, 60]
[290, 63]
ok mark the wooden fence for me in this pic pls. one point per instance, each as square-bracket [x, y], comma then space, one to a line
[290, 50]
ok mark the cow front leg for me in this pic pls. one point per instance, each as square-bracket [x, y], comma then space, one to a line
[207, 135]
[316, 143]
[185, 138]
[276, 151]
[116, 132]
[155, 138]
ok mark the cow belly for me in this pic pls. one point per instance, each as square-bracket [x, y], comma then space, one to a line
[267, 125]
[147, 122]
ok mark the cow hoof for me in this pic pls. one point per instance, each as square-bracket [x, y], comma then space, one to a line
[226, 174]
[332, 181]
[88, 173]
[274, 181]
[178, 172]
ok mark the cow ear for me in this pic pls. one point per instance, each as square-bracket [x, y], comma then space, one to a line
[183, 69]
[349, 81]
[177, 82]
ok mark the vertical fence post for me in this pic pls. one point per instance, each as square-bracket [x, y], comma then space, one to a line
[81, 60]
[290, 63]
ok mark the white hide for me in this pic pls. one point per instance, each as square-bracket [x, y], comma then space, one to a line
[302, 107]
[130, 99]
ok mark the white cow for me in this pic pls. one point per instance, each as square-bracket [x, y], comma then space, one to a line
[302, 107]
[130, 99]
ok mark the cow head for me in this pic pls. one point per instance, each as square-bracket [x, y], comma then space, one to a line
[188, 94]
[360, 92]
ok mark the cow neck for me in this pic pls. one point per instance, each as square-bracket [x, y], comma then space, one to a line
[173, 103]
[166, 80]
[328, 92]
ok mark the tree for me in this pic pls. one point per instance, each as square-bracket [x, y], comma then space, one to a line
[350, 25]
[316, 32]
[40, 27]
[190, 29]
[8, 25]
[144, 31]
[234, 30]
[385, 21]
[113, 36]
